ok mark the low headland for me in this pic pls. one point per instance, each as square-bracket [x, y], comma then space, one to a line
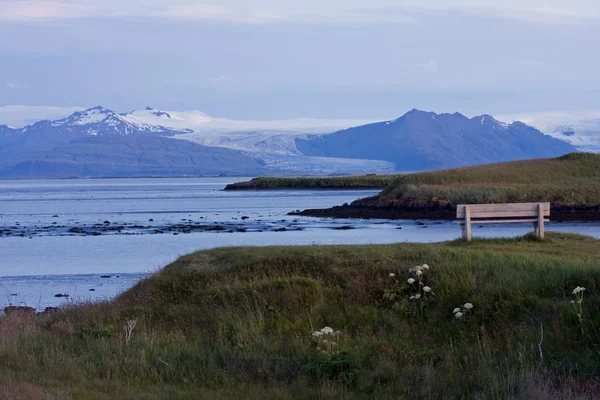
[571, 184]
[503, 318]
[370, 181]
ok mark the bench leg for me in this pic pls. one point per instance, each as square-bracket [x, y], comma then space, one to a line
[535, 229]
[540, 223]
[468, 236]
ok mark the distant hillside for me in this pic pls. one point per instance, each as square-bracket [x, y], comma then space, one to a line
[131, 156]
[571, 183]
[425, 141]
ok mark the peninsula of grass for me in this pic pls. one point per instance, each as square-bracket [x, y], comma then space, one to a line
[491, 319]
[571, 184]
[371, 181]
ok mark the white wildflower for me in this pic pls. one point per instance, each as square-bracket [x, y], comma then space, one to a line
[410, 281]
[412, 297]
[419, 273]
[572, 301]
[456, 310]
[417, 296]
[427, 289]
[326, 331]
[425, 266]
[392, 275]
[317, 334]
[578, 289]
[468, 306]
[458, 314]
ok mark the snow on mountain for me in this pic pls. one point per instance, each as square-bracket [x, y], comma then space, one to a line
[204, 124]
[578, 128]
[101, 121]
[250, 136]
[272, 143]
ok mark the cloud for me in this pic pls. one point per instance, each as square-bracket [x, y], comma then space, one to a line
[267, 12]
[430, 67]
[528, 63]
[531, 15]
[536, 15]
[218, 13]
[19, 116]
[41, 10]
[221, 78]
[12, 85]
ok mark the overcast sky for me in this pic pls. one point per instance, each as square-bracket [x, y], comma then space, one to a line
[268, 59]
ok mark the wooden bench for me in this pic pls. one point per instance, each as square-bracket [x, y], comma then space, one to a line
[537, 213]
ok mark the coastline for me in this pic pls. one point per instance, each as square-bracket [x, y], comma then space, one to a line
[558, 213]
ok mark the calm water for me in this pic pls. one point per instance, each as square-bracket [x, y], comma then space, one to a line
[52, 258]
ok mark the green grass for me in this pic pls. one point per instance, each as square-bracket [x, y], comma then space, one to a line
[371, 181]
[571, 180]
[237, 323]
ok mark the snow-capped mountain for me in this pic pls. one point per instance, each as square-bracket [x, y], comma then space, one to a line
[99, 136]
[101, 142]
[578, 128]
[100, 121]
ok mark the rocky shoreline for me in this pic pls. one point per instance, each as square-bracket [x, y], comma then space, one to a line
[109, 228]
[434, 210]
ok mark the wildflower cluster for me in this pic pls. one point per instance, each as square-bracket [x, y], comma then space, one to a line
[324, 343]
[416, 285]
[462, 311]
[418, 282]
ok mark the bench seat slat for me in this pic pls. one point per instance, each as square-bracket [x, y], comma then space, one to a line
[506, 214]
[510, 207]
[501, 221]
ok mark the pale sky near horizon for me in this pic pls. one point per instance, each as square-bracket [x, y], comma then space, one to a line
[268, 59]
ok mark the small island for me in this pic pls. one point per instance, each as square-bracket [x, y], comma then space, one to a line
[359, 182]
[571, 184]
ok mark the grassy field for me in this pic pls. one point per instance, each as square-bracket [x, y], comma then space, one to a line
[240, 322]
[573, 179]
[371, 181]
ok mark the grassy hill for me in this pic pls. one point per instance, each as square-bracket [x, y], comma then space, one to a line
[240, 322]
[571, 183]
[371, 181]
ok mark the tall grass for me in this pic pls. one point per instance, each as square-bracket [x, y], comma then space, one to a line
[238, 323]
[573, 179]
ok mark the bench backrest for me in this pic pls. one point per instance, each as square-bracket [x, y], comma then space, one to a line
[507, 210]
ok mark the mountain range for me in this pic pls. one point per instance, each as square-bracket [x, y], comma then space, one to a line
[425, 140]
[102, 143]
